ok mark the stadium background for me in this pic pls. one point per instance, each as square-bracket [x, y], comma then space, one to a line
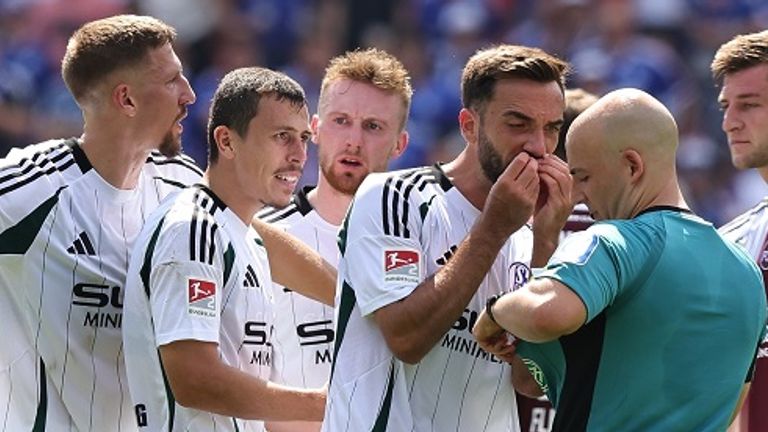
[661, 46]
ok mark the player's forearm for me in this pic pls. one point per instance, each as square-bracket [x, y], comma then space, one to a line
[523, 381]
[230, 392]
[735, 421]
[296, 266]
[415, 324]
[294, 426]
[221, 389]
[544, 246]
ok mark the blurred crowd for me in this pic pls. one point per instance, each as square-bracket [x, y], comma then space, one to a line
[661, 46]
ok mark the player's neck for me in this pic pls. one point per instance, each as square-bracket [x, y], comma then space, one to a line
[467, 176]
[118, 160]
[763, 170]
[329, 203]
[222, 181]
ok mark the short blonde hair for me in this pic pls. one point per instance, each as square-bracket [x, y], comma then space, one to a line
[101, 47]
[372, 66]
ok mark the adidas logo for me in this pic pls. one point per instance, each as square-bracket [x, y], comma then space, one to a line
[443, 260]
[82, 246]
[250, 278]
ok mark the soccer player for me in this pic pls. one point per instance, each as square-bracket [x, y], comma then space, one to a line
[69, 210]
[199, 297]
[643, 306]
[69, 213]
[360, 125]
[423, 249]
[741, 66]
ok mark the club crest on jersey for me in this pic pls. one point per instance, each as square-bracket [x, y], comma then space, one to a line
[519, 274]
[763, 261]
[401, 265]
[201, 298]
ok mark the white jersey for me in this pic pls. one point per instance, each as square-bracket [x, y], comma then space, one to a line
[197, 272]
[64, 245]
[401, 228]
[52, 163]
[303, 327]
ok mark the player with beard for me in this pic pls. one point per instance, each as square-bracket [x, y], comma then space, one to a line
[422, 250]
[359, 127]
[69, 213]
[621, 326]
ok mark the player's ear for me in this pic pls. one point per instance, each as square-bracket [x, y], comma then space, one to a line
[313, 124]
[122, 99]
[225, 137]
[468, 125]
[401, 145]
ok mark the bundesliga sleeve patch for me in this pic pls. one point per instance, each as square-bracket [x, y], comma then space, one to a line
[401, 265]
[201, 298]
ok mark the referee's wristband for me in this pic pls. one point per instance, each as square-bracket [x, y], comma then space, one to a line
[489, 307]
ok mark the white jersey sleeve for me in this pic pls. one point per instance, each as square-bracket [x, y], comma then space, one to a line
[383, 257]
[186, 294]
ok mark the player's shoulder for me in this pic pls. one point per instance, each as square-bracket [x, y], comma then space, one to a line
[751, 219]
[404, 184]
[191, 222]
[196, 202]
[297, 209]
[46, 165]
[180, 169]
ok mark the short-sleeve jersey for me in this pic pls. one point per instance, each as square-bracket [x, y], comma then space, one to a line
[197, 273]
[303, 339]
[401, 228]
[750, 230]
[52, 164]
[64, 245]
[668, 302]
